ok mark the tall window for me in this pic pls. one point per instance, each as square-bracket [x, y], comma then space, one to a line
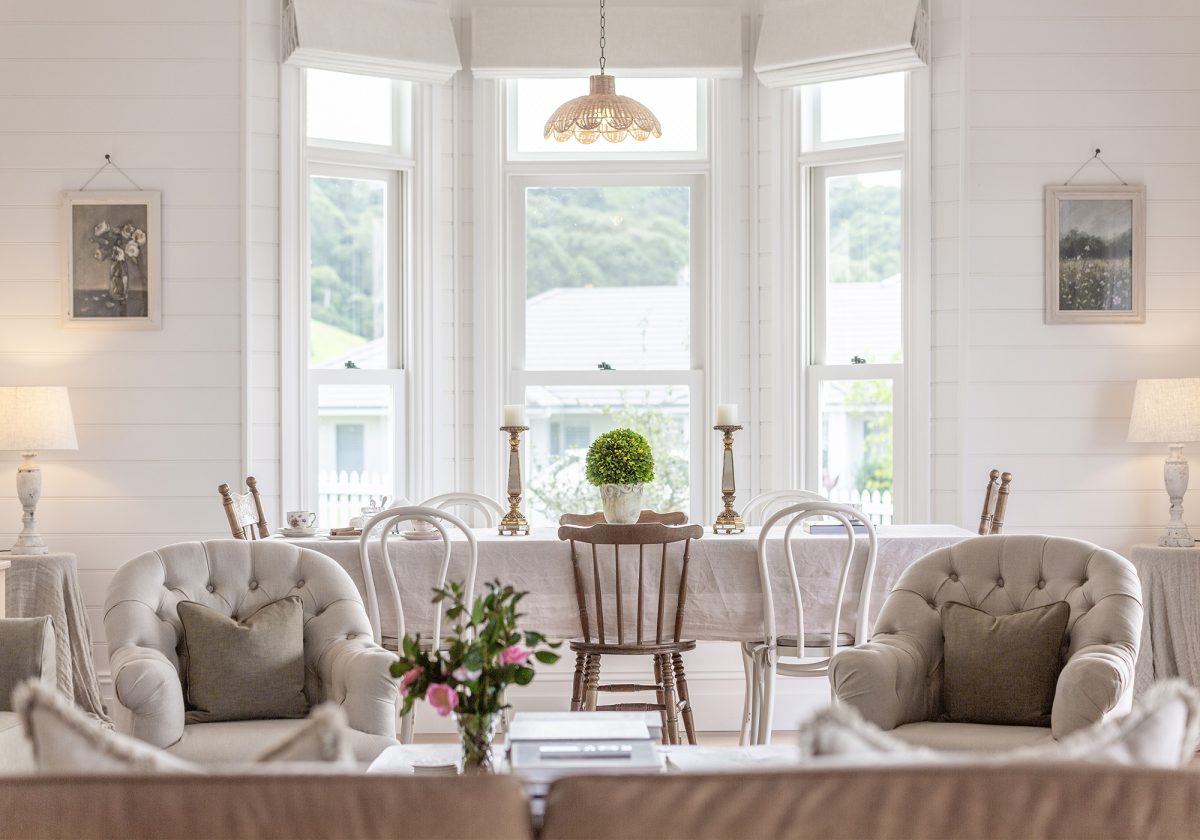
[605, 282]
[852, 168]
[357, 161]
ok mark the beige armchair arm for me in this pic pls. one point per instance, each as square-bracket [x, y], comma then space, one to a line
[26, 652]
[148, 695]
[354, 672]
[1095, 683]
[884, 680]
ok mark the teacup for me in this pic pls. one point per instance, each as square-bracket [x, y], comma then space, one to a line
[301, 519]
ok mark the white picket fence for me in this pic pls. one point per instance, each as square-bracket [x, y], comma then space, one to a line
[874, 503]
[342, 495]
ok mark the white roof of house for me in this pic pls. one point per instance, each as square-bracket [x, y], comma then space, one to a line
[871, 320]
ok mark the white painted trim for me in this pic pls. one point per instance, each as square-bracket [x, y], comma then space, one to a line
[293, 330]
[245, 255]
[964, 258]
[918, 300]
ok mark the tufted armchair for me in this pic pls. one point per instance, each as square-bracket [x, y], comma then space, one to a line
[237, 577]
[895, 680]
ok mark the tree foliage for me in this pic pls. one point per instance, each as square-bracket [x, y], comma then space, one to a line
[864, 231]
[346, 220]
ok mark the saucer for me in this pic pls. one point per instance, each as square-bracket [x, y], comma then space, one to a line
[298, 532]
[421, 535]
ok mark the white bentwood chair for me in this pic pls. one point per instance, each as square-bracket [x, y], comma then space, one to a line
[812, 652]
[492, 510]
[756, 511]
[384, 522]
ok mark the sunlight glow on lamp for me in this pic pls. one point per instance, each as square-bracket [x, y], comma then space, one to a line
[602, 113]
[1168, 411]
[34, 418]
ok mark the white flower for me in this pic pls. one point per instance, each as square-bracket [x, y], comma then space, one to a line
[99, 255]
[127, 231]
[100, 228]
[139, 236]
[463, 675]
[131, 248]
[118, 255]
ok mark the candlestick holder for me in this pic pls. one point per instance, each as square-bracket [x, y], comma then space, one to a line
[729, 521]
[514, 522]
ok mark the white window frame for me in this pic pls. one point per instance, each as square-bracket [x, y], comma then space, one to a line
[396, 166]
[910, 378]
[519, 171]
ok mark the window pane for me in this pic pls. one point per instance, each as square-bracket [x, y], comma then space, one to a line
[856, 444]
[854, 109]
[563, 422]
[607, 273]
[673, 101]
[348, 222]
[863, 260]
[354, 449]
[349, 108]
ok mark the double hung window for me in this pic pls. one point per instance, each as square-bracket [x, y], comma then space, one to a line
[357, 164]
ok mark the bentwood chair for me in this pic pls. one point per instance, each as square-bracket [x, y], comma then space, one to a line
[491, 510]
[661, 592]
[245, 512]
[758, 508]
[995, 503]
[809, 652]
[383, 523]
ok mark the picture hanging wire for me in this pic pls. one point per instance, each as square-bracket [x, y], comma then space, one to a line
[1096, 156]
[108, 161]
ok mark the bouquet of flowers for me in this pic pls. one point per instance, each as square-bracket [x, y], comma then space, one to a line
[123, 246]
[485, 653]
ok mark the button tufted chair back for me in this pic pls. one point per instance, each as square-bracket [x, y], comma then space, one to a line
[234, 577]
[1003, 575]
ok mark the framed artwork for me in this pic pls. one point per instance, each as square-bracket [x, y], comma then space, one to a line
[1096, 255]
[112, 258]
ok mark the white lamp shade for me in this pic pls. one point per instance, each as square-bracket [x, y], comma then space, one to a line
[36, 418]
[1165, 411]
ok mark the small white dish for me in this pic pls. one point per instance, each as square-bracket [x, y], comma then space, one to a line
[421, 535]
[298, 532]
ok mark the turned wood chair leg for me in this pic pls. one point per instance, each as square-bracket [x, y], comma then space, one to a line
[685, 702]
[660, 696]
[577, 683]
[592, 678]
[671, 700]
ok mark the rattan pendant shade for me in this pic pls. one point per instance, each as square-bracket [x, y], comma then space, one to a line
[602, 113]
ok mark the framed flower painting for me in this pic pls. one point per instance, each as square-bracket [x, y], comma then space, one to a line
[112, 259]
[1095, 254]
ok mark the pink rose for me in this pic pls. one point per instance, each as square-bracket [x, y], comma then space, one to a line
[410, 676]
[514, 655]
[442, 697]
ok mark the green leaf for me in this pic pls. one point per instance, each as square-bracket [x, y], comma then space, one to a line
[546, 657]
[524, 676]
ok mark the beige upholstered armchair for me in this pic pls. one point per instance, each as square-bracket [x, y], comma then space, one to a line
[237, 577]
[895, 680]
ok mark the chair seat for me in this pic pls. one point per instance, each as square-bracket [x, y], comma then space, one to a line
[811, 640]
[628, 649]
[971, 736]
[391, 643]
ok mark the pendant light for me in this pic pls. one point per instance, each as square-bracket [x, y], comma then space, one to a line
[602, 113]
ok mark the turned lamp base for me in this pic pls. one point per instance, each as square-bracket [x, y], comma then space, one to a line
[1175, 476]
[29, 490]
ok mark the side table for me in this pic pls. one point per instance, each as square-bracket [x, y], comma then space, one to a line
[47, 584]
[1170, 618]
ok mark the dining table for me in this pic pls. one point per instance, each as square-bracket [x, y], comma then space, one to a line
[724, 597]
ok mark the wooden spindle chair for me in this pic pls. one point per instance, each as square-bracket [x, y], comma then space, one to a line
[644, 518]
[611, 637]
[245, 512]
[995, 503]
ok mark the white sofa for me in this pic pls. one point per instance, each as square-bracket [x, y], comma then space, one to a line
[237, 577]
[895, 680]
[26, 652]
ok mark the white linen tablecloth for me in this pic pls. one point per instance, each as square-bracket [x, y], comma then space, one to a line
[724, 597]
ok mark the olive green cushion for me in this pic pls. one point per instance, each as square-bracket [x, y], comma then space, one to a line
[1001, 669]
[246, 670]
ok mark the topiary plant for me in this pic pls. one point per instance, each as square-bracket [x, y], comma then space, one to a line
[621, 456]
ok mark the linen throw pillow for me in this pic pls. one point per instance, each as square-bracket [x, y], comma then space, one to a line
[1001, 669]
[28, 645]
[249, 670]
[1163, 730]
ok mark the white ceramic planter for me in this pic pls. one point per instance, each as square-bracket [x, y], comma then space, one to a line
[622, 503]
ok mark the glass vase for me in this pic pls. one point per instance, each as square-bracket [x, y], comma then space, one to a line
[476, 732]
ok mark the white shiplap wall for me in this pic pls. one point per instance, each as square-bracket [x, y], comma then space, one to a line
[1023, 92]
[159, 414]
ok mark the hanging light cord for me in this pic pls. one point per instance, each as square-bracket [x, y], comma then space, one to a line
[601, 37]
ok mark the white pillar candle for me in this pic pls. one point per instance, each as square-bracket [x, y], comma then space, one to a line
[727, 414]
[514, 415]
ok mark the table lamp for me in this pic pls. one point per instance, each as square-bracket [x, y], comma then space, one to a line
[34, 418]
[1168, 411]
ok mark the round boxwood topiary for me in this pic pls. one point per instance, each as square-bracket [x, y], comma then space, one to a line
[621, 456]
